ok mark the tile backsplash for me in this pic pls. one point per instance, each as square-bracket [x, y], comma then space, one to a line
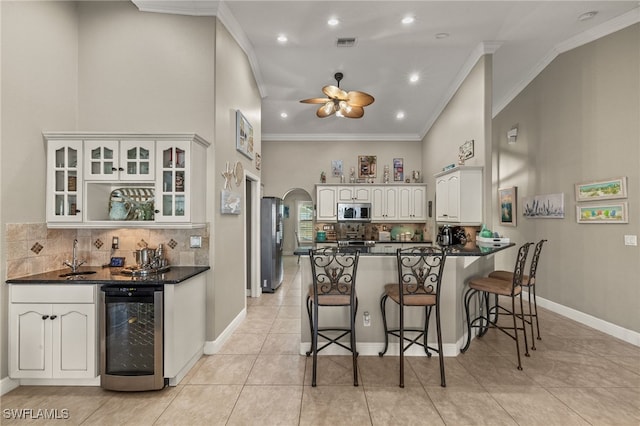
[32, 248]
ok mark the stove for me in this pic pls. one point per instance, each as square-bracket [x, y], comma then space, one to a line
[354, 245]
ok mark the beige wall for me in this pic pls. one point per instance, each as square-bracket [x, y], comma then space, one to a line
[39, 91]
[467, 116]
[579, 121]
[295, 164]
[235, 89]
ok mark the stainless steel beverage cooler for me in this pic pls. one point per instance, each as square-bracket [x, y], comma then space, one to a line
[131, 337]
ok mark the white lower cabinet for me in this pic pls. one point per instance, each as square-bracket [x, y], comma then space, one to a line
[52, 340]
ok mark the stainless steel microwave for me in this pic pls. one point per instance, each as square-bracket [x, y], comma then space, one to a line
[354, 212]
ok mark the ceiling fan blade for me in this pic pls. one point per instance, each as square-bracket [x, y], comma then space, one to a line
[334, 92]
[315, 101]
[360, 99]
[352, 111]
[326, 110]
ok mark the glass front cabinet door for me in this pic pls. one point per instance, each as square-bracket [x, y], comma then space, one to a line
[64, 183]
[173, 178]
[112, 160]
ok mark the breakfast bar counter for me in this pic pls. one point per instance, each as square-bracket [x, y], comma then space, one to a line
[379, 268]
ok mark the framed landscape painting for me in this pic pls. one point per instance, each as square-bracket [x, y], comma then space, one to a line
[602, 213]
[602, 190]
[549, 206]
[507, 198]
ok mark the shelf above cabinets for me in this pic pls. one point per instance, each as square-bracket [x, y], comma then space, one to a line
[105, 180]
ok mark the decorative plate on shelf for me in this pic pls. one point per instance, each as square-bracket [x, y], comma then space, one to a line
[238, 172]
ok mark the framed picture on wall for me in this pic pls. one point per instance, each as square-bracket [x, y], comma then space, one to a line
[398, 169]
[612, 212]
[244, 135]
[602, 190]
[507, 200]
[367, 166]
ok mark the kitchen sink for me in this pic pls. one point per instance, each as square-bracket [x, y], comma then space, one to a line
[73, 274]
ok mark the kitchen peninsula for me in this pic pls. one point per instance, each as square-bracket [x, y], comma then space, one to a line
[379, 268]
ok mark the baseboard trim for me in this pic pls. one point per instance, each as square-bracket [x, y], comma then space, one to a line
[611, 329]
[212, 347]
[7, 385]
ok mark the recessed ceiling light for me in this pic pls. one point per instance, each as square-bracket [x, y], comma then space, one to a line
[408, 20]
[283, 115]
[333, 22]
[400, 115]
[588, 15]
[413, 78]
[442, 35]
[282, 38]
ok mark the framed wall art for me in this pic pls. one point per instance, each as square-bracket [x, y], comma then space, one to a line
[602, 190]
[367, 166]
[507, 199]
[613, 212]
[244, 135]
[336, 168]
[398, 169]
[230, 202]
[466, 150]
[550, 206]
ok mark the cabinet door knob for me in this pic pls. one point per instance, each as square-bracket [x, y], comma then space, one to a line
[53, 317]
[77, 211]
[156, 211]
[113, 169]
[121, 169]
[44, 317]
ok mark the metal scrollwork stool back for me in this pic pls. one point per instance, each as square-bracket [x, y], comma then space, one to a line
[334, 284]
[486, 287]
[419, 277]
[528, 282]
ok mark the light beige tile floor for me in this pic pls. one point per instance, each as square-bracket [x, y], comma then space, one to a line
[577, 376]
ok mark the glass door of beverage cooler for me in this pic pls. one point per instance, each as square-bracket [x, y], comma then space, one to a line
[172, 197]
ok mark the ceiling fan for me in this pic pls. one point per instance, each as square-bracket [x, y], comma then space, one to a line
[343, 104]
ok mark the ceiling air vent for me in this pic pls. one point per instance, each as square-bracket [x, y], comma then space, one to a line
[346, 42]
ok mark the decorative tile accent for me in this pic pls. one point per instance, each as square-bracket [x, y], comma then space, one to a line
[37, 248]
[98, 243]
[172, 243]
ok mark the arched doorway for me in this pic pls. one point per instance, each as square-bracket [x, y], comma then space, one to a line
[297, 204]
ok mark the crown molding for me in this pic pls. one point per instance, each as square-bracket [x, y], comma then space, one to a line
[611, 26]
[179, 7]
[346, 137]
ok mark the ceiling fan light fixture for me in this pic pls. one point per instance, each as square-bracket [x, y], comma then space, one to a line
[343, 104]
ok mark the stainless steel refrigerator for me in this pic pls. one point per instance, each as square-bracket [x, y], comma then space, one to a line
[271, 210]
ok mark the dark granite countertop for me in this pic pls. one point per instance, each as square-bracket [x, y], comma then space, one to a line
[175, 275]
[469, 249]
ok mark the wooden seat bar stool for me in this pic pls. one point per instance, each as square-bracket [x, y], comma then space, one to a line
[334, 284]
[419, 277]
[484, 287]
[528, 282]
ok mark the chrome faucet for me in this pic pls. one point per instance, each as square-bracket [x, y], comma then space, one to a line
[75, 263]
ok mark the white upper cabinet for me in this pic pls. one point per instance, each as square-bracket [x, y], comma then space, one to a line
[384, 203]
[389, 203]
[326, 203]
[119, 160]
[459, 196]
[354, 194]
[126, 180]
[64, 181]
[412, 203]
